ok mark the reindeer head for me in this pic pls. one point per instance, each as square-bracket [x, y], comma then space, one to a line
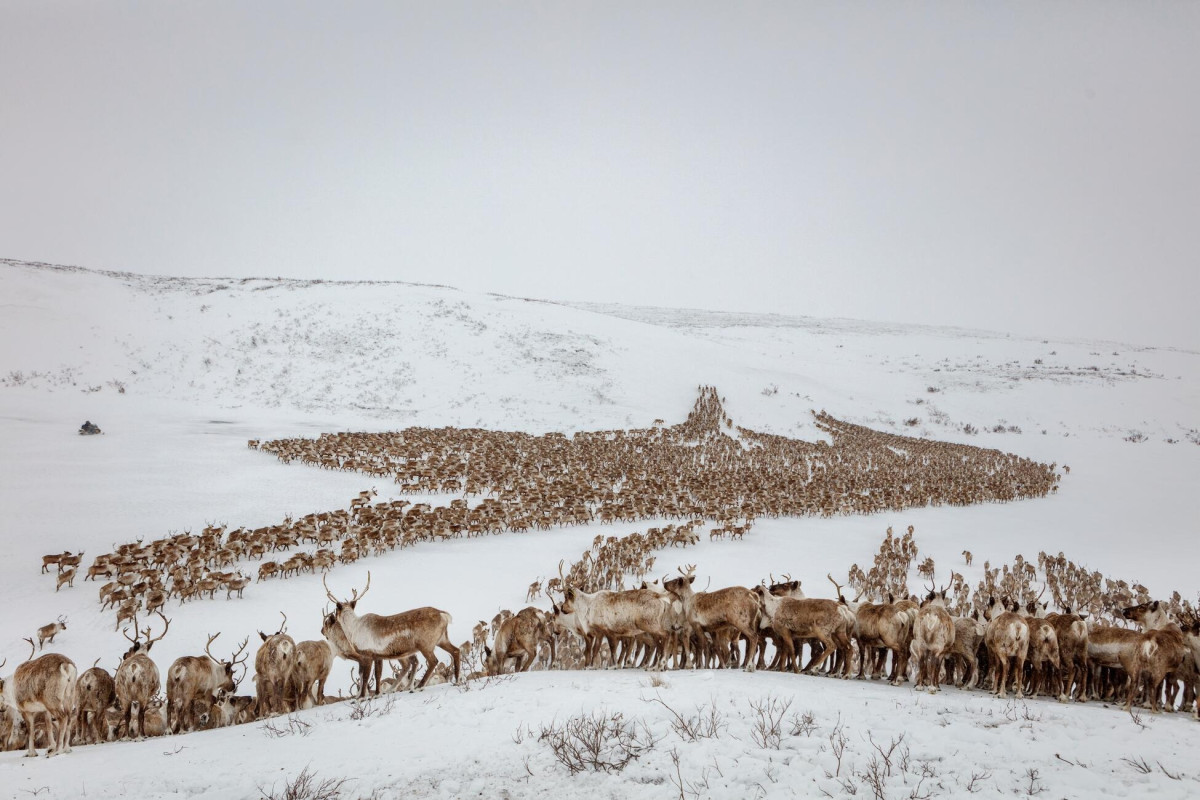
[229, 684]
[140, 645]
[1150, 616]
[343, 605]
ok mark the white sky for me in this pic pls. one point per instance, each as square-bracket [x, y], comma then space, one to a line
[1029, 167]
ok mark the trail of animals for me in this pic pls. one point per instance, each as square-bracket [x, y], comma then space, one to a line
[705, 472]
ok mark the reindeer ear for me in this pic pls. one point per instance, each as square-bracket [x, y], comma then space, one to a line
[263, 635]
[1154, 606]
[351, 604]
[691, 579]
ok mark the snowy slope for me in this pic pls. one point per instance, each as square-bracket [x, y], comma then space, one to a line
[207, 364]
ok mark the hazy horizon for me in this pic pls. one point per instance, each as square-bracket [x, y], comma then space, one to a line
[1016, 167]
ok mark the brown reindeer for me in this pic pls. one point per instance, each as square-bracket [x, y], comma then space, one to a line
[880, 628]
[44, 685]
[933, 639]
[963, 658]
[398, 635]
[794, 620]
[314, 660]
[340, 646]
[725, 614]
[273, 666]
[46, 633]
[54, 559]
[517, 638]
[613, 617]
[196, 680]
[66, 576]
[137, 681]
[1007, 640]
[1072, 633]
[96, 693]
[535, 589]
[363, 499]
[1160, 653]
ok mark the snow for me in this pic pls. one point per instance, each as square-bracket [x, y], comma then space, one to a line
[208, 363]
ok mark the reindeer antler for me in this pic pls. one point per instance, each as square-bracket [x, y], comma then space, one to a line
[283, 629]
[32, 647]
[212, 639]
[358, 596]
[327, 592]
[166, 625]
[836, 585]
[234, 660]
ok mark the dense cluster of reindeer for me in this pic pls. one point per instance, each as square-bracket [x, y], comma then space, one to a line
[201, 690]
[703, 469]
[1004, 637]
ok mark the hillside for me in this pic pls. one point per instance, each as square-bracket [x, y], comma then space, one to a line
[180, 373]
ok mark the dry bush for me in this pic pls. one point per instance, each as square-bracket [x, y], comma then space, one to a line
[706, 723]
[598, 742]
[766, 728]
[306, 787]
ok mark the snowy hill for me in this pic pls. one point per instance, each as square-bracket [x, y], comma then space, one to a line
[180, 373]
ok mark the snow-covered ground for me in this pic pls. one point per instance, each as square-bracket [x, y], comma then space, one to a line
[206, 364]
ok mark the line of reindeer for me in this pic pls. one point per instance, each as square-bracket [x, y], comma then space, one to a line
[663, 624]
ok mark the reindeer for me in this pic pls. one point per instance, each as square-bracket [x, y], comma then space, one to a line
[881, 628]
[66, 576]
[273, 667]
[53, 559]
[341, 647]
[1072, 634]
[963, 657]
[723, 613]
[363, 499]
[967, 555]
[518, 638]
[236, 584]
[1160, 653]
[618, 616]
[1045, 661]
[933, 638]
[137, 680]
[193, 680]
[314, 660]
[793, 619]
[43, 685]
[1007, 638]
[535, 589]
[46, 633]
[96, 693]
[127, 612]
[398, 635]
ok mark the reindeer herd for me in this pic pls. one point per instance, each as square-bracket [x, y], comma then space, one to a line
[668, 623]
[703, 470]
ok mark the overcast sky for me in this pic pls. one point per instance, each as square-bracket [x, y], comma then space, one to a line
[1031, 167]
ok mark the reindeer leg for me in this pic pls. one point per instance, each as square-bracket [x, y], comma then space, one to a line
[431, 662]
